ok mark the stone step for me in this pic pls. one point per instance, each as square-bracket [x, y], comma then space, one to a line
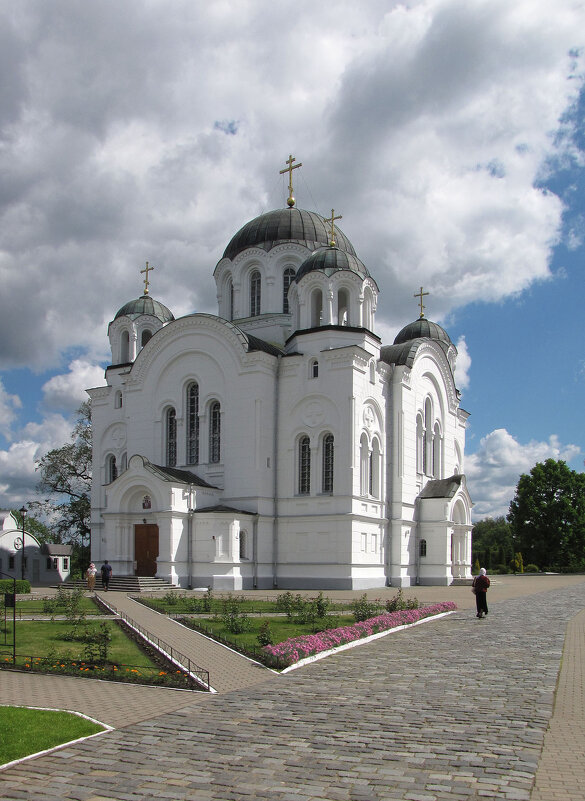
[127, 584]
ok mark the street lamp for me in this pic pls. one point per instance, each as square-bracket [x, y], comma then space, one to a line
[23, 515]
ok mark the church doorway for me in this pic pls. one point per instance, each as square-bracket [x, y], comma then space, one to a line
[145, 549]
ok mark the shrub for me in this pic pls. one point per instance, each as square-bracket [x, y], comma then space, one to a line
[232, 616]
[264, 636]
[22, 586]
[363, 609]
[531, 569]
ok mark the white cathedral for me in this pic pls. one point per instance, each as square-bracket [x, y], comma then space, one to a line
[280, 444]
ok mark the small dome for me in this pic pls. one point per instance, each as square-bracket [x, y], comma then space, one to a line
[422, 328]
[330, 260]
[286, 225]
[145, 305]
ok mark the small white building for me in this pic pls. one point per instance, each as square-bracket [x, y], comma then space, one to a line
[280, 443]
[44, 564]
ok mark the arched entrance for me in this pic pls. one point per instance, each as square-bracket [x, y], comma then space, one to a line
[145, 549]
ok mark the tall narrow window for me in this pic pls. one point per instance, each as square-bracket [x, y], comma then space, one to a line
[419, 444]
[214, 432]
[125, 347]
[364, 465]
[171, 432]
[328, 463]
[111, 469]
[316, 308]
[422, 548]
[304, 466]
[146, 337]
[255, 293]
[193, 423]
[230, 299]
[287, 279]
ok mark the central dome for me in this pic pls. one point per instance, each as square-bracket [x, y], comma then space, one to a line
[145, 305]
[286, 225]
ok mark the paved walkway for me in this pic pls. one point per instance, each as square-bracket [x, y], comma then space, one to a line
[455, 709]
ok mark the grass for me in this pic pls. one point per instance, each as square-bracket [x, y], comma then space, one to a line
[28, 731]
[42, 606]
[281, 628]
[37, 638]
[177, 604]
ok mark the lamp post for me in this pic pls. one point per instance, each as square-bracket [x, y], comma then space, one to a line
[23, 513]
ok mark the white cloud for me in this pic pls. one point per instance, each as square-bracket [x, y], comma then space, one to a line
[494, 469]
[463, 364]
[66, 392]
[8, 406]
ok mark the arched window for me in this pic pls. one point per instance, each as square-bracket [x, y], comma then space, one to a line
[314, 369]
[125, 347]
[287, 278]
[243, 544]
[146, 337]
[419, 444]
[422, 548]
[230, 299]
[343, 307]
[328, 448]
[111, 469]
[171, 437]
[316, 308]
[304, 466]
[368, 310]
[374, 470]
[193, 423]
[214, 432]
[437, 467]
[124, 462]
[255, 293]
[372, 372]
[428, 439]
[364, 465]
[118, 400]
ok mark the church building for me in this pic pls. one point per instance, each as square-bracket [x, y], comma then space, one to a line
[280, 443]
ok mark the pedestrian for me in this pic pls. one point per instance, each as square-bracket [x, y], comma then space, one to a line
[106, 571]
[480, 587]
[90, 576]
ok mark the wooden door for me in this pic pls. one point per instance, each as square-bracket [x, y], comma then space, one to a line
[145, 549]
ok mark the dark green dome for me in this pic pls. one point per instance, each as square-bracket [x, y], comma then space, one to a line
[286, 225]
[145, 305]
[422, 328]
[330, 260]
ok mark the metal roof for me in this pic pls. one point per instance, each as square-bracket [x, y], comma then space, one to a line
[422, 328]
[330, 260]
[286, 225]
[145, 305]
[441, 487]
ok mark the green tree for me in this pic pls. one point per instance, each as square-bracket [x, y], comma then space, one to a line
[66, 483]
[547, 516]
[492, 542]
[36, 527]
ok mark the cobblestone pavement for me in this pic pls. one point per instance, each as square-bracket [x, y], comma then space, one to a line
[454, 709]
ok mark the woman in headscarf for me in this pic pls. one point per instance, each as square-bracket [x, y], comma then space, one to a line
[90, 576]
[480, 585]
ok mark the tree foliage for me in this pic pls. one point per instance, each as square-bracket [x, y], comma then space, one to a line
[547, 516]
[35, 527]
[66, 484]
[492, 543]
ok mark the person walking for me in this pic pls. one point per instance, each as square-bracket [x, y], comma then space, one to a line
[106, 571]
[480, 587]
[90, 574]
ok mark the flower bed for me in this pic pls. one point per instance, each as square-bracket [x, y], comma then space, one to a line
[298, 648]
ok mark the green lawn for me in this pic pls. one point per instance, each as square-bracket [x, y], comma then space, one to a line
[174, 603]
[28, 731]
[38, 638]
[281, 628]
[49, 607]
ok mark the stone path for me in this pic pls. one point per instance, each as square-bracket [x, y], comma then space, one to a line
[455, 709]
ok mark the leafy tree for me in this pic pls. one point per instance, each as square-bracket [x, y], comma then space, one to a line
[36, 527]
[547, 516]
[492, 542]
[66, 483]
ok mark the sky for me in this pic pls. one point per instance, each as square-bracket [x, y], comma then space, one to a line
[449, 134]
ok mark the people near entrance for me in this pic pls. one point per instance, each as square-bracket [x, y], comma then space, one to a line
[106, 571]
[480, 587]
[90, 574]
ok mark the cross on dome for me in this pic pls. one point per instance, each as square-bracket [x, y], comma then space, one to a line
[146, 270]
[290, 201]
[420, 296]
[332, 232]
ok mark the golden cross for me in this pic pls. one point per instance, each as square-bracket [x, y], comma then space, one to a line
[332, 232]
[420, 296]
[146, 270]
[289, 169]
